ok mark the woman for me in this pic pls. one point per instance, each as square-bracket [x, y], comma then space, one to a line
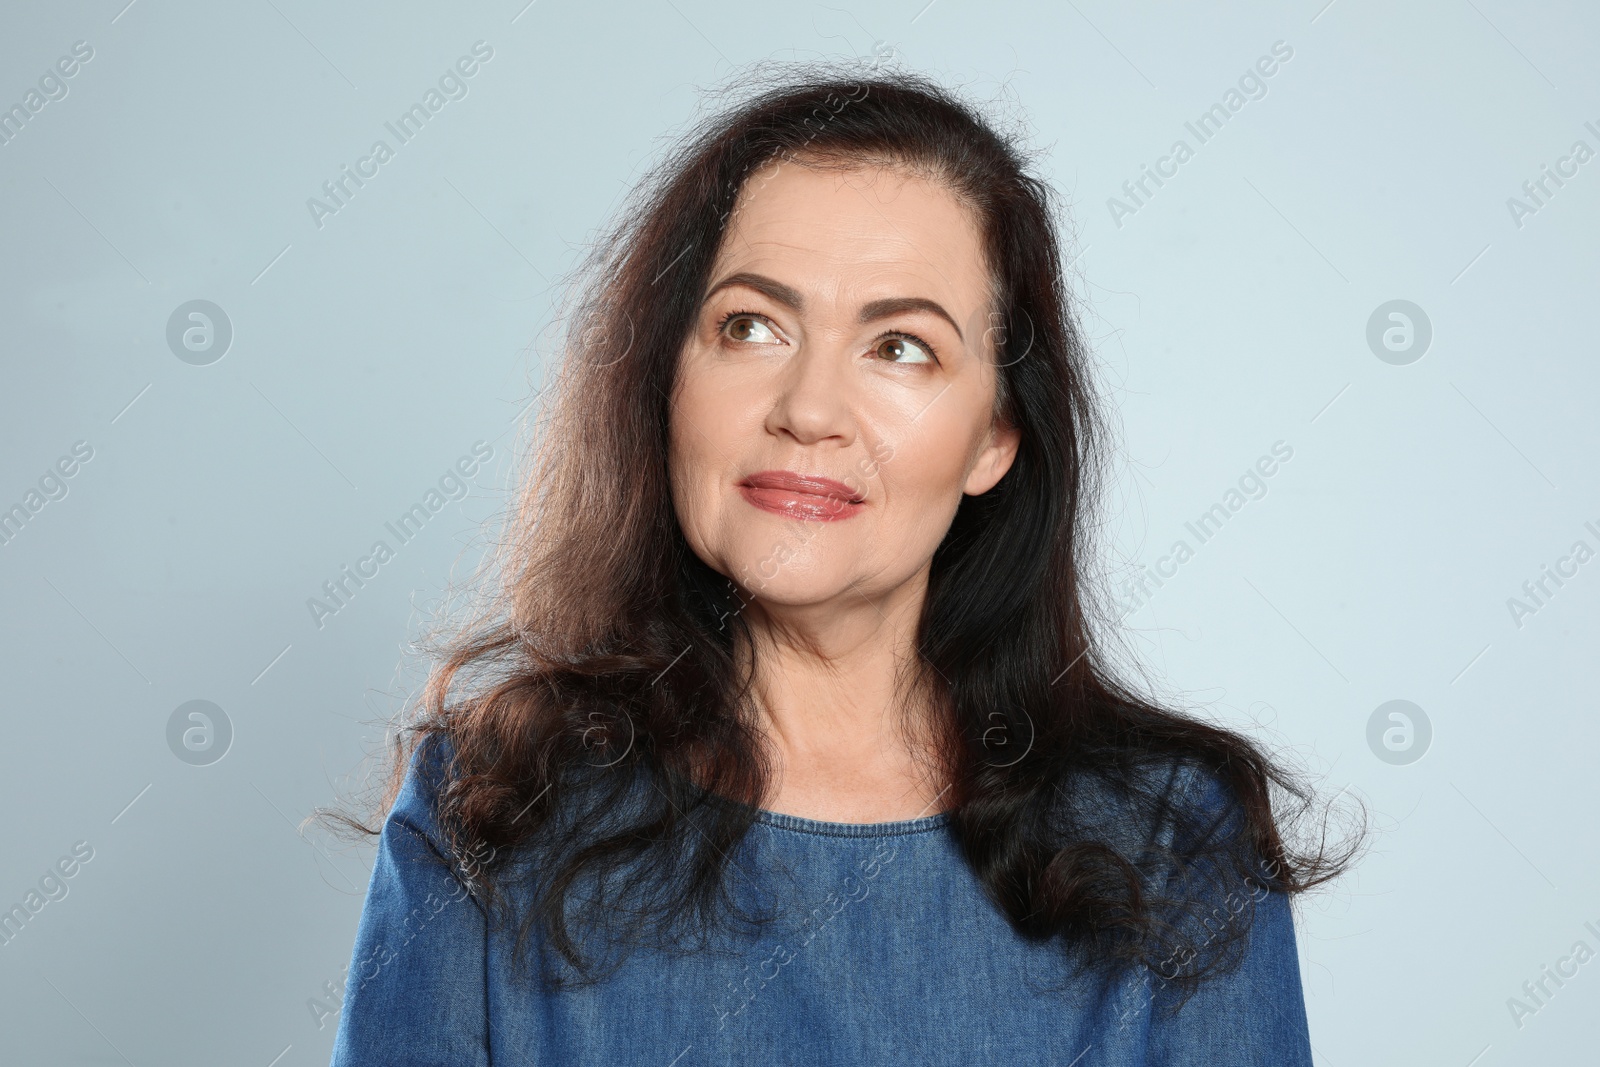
[788, 740]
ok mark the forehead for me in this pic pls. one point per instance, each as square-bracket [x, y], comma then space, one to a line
[857, 234]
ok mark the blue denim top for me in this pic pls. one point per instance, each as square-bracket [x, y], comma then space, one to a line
[893, 954]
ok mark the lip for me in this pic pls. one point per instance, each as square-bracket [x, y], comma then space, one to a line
[810, 497]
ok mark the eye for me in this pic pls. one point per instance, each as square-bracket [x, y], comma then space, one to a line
[747, 327]
[905, 348]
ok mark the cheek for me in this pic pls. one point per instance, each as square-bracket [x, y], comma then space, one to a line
[686, 475]
[928, 456]
[699, 447]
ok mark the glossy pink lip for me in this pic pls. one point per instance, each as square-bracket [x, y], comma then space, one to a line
[801, 496]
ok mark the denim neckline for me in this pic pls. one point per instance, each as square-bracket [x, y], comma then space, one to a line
[823, 828]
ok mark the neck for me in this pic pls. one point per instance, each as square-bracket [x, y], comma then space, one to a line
[846, 724]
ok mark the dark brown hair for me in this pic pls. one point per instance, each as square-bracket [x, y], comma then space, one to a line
[599, 723]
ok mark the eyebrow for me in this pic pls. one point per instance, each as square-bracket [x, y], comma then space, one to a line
[872, 311]
[894, 305]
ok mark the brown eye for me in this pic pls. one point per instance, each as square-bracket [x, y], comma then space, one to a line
[750, 329]
[902, 349]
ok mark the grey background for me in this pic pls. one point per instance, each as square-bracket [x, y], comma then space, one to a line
[369, 354]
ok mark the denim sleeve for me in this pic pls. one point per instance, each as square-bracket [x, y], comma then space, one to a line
[1254, 1015]
[415, 995]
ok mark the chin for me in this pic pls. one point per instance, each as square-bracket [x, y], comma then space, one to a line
[794, 584]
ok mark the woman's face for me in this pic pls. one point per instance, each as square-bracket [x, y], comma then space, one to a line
[834, 400]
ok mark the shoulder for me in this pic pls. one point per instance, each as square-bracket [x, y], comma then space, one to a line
[1163, 801]
[416, 806]
[1204, 806]
[1176, 821]
[1203, 827]
[1211, 859]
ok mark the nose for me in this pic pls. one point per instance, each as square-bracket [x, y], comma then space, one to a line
[813, 397]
